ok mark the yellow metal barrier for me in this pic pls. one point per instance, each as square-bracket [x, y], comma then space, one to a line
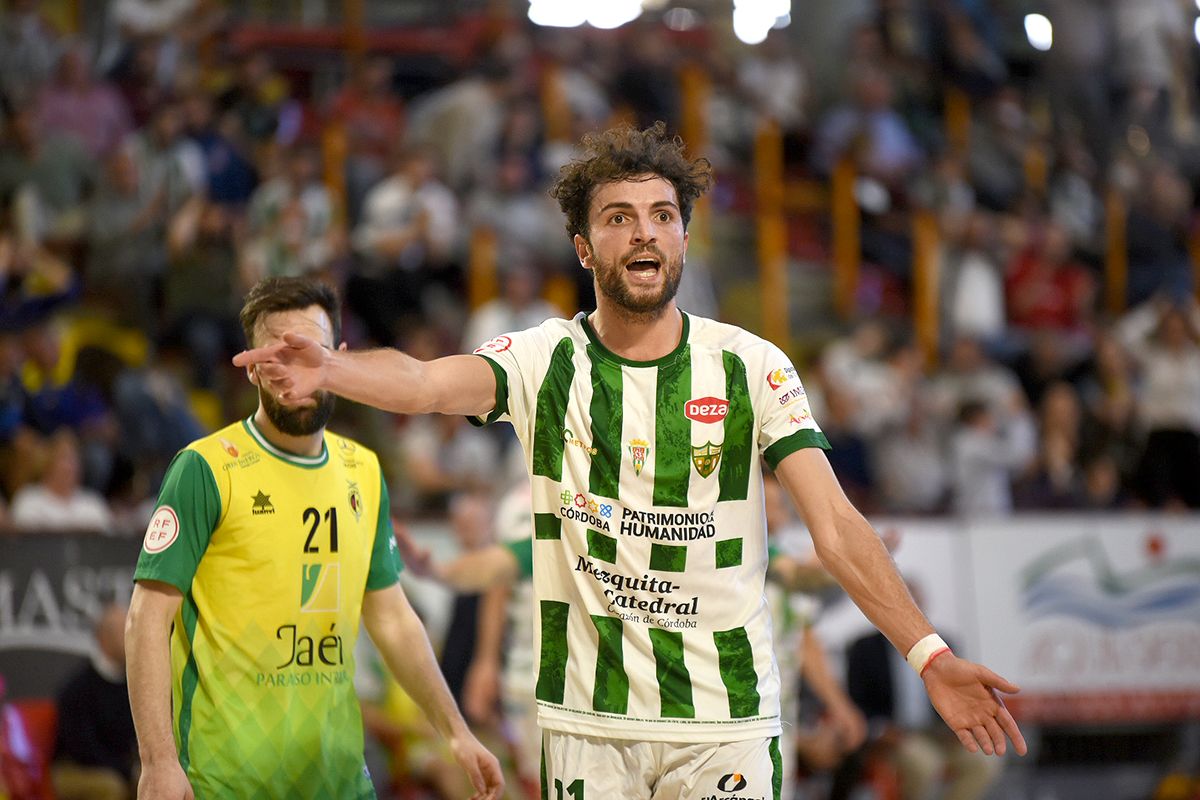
[926, 283]
[482, 283]
[772, 234]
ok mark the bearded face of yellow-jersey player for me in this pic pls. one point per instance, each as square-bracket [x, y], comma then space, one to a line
[307, 415]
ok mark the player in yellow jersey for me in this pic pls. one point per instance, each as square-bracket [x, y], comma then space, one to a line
[272, 538]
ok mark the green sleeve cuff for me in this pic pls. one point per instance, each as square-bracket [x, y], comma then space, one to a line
[522, 550]
[501, 406]
[790, 444]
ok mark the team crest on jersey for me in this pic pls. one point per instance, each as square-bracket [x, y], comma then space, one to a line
[705, 458]
[229, 447]
[638, 450]
[354, 498]
[320, 587]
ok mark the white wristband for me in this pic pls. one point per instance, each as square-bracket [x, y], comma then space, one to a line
[925, 651]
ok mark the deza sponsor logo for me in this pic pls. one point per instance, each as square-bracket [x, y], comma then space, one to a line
[706, 409]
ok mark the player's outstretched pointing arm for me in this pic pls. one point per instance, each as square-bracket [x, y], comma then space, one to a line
[965, 694]
[389, 379]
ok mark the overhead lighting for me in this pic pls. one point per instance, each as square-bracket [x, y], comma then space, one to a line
[1196, 29]
[1039, 31]
[609, 14]
[754, 19]
[558, 13]
[684, 19]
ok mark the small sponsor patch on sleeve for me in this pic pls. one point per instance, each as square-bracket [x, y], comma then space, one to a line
[497, 345]
[162, 531]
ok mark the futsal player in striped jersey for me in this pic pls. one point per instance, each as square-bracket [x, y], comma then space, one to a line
[645, 431]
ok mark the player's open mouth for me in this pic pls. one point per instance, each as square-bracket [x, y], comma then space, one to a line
[644, 268]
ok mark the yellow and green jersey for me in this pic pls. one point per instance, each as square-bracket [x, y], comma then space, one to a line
[273, 553]
[649, 541]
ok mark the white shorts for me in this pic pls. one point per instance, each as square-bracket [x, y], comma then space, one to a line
[589, 768]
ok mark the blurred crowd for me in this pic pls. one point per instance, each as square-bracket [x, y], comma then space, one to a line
[151, 170]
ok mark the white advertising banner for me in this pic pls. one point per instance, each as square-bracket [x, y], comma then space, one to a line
[1096, 618]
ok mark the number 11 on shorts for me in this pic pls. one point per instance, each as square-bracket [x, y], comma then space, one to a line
[574, 790]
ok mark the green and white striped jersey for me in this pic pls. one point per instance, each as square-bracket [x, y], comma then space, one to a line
[650, 547]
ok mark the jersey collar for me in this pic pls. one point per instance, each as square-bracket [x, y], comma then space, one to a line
[308, 462]
[611, 356]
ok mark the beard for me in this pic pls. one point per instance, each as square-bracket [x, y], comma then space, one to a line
[612, 283]
[298, 421]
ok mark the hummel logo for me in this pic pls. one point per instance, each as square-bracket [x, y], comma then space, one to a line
[262, 504]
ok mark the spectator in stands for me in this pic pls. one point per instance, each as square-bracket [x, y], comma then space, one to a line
[985, 454]
[444, 455]
[1046, 288]
[1164, 340]
[260, 99]
[868, 129]
[970, 374]
[201, 287]
[647, 54]
[404, 240]
[29, 48]
[372, 118]
[519, 213]
[97, 746]
[910, 461]
[1056, 481]
[1109, 393]
[229, 170]
[167, 162]
[974, 296]
[78, 104]
[1157, 232]
[1001, 135]
[46, 176]
[518, 307]
[460, 124]
[57, 501]
[290, 222]
[126, 253]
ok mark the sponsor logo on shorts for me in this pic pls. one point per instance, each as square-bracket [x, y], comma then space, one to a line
[732, 782]
[728, 786]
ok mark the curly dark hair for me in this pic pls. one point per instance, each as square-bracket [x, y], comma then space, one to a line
[626, 152]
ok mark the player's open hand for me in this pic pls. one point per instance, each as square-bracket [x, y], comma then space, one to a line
[291, 370]
[164, 782]
[481, 766]
[967, 695]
